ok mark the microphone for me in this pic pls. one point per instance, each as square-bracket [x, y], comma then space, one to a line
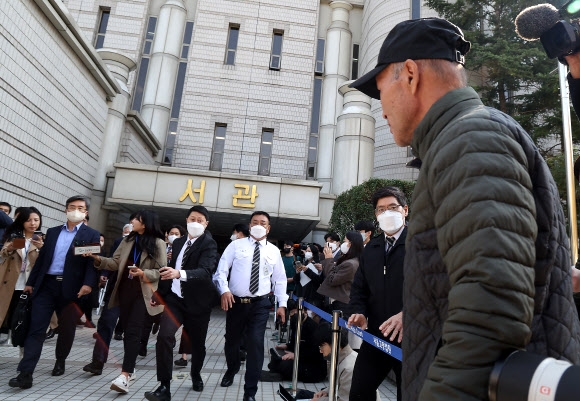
[534, 21]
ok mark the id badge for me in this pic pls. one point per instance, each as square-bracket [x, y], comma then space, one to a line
[265, 269]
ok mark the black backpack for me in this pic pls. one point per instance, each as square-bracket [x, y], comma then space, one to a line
[21, 320]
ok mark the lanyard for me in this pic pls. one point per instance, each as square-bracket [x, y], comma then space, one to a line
[136, 256]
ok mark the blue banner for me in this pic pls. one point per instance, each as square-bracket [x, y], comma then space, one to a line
[378, 343]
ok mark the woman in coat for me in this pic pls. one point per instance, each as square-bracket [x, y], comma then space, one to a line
[338, 276]
[18, 263]
[137, 259]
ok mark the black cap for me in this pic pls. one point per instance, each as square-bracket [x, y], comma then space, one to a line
[199, 209]
[425, 38]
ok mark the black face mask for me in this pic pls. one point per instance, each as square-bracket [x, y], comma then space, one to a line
[287, 250]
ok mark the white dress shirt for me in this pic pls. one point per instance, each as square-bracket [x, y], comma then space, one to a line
[176, 285]
[238, 257]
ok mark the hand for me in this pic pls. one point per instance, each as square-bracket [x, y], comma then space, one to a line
[9, 246]
[320, 394]
[37, 243]
[85, 289]
[281, 313]
[393, 324]
[573, 61]
[575, 279]
[318, 266]
[136, 272]
[358, 320]
[28, 289]
[327, 252]
[102, 281]
[227, 300]
[167, 273]
[288, 356]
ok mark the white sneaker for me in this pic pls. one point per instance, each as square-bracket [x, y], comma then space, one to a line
[120, 384]
[133, 376]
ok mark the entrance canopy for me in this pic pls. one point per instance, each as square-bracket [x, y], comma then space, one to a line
[230, 198]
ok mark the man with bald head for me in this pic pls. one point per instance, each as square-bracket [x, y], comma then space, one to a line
[487, 266]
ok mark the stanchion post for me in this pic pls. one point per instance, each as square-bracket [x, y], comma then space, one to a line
[297, 346]
[335, 349]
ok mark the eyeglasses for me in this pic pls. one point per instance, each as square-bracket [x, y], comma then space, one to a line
[80, 208]
[392, 207]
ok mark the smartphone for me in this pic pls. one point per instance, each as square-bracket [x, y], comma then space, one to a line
[37, 236]
[298, 265]
[18, 243]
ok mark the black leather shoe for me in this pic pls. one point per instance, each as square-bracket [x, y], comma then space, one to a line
[50, 334]
[143, 351]
[180, 363]
[228, 379]
[197, 383]
[23, 380]
[95, 367]
[243, 355]
[248, 397]
[155, 328]
[118, 337]
[161, 394]
[58, 368]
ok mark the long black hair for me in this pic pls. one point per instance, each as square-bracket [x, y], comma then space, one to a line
[16, 229]
[356, 246]
[315, 253]
[146, 241]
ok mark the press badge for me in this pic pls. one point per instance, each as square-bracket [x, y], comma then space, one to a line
[265, 269]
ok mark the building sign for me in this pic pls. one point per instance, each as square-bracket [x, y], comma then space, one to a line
[245, 196]
[190, 192]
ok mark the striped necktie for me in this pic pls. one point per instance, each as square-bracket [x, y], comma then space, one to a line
[255, 277]
[389, 244]
[187, 249]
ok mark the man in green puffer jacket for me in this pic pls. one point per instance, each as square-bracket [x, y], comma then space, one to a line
[487, 268]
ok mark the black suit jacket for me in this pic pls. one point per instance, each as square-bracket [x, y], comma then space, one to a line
[377, 289]
[78, 270]
[199, 263]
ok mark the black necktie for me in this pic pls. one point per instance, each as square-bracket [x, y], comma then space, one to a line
[187, 249]
[255, 277]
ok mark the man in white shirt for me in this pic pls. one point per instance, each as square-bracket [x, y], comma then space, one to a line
[255, 268]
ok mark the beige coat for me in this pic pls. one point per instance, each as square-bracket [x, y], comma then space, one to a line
[9, 272]
[149, 266]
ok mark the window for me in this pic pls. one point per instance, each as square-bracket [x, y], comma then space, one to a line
[219, 141]
[276, 57]
[319, 67]
[265, 151]
[144, 65]
[232, 45]
[102, 28]
[354, 74]
[314, 127]
[178, 94]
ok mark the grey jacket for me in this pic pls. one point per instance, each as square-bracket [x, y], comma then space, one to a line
[487, 267]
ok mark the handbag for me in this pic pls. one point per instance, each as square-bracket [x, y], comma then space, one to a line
[21, 320]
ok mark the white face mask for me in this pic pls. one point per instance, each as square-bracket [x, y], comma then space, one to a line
[364, 236]
[195, 229]
[75, 216]
[390, 221]
[233, 237]
[344, 247]
[332, 246]
[258, 232]
[308, 255]
[172, 238]
[310, 313]
[102, 244]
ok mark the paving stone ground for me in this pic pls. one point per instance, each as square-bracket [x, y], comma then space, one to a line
[76, 385]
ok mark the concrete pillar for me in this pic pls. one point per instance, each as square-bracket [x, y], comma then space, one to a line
[163, 67]
[120, 66]
[337, 64]
[354, 146]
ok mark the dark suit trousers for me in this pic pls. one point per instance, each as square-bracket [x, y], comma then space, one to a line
[49, 299]
[252, 318]
[370, 369]
[194, 321]
[105, 327]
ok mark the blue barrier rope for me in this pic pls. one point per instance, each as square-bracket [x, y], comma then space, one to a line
[378, 343]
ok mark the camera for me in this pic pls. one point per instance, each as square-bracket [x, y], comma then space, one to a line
[524, 376]
[562, 39]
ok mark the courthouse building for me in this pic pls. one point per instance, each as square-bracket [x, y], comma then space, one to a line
[236, 105]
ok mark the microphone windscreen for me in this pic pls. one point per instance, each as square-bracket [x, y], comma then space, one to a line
[532, 22]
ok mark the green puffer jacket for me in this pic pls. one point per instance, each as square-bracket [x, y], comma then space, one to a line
[487, 267]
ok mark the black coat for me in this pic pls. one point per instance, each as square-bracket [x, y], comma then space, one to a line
[377, 292]
[199, 263]
[78, 270]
